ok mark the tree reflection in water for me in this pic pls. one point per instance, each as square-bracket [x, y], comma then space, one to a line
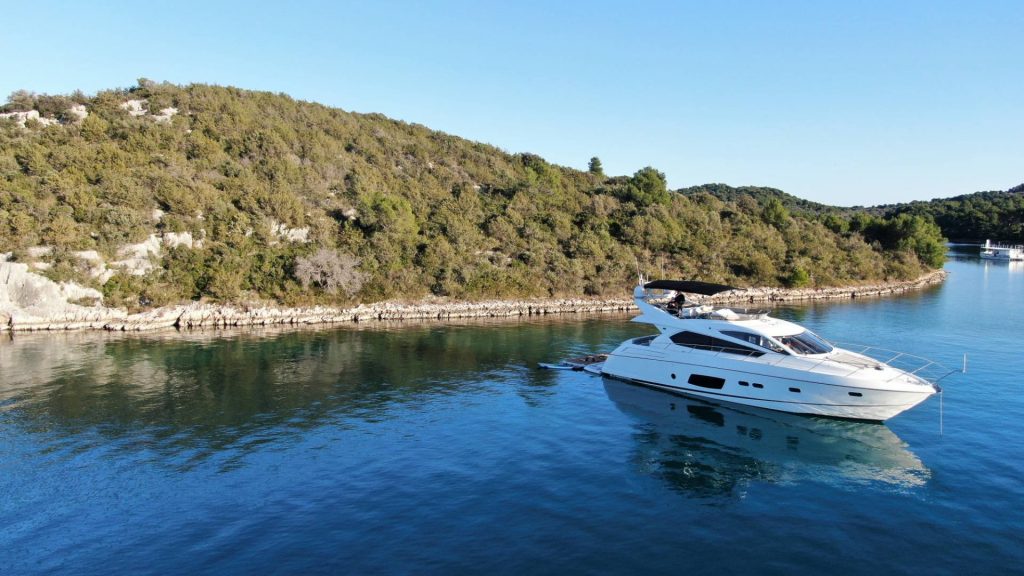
[188, 395]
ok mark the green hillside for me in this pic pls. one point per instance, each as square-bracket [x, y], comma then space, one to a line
[299, 203]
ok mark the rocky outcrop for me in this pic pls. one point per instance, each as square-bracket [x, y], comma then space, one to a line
[36, 305]
[287, 234]
[73, 115]
[25, 116]
[77, 113]
[29, 301]
[134, 107]
[141, 108]
[138, 259]
[165, 115]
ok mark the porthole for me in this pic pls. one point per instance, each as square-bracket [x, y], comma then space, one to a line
[797, 390]
[756, 385]
[857, 394]
[673, 376]
[742, 383]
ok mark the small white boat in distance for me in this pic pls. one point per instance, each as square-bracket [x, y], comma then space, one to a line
[1003, 252]
[748, 357]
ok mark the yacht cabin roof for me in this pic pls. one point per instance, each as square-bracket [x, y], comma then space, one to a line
[767, 326]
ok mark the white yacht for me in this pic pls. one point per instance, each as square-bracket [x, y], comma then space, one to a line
[747, 357]
[1003, 252]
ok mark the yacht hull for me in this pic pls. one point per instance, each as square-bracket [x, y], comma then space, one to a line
[865, 394]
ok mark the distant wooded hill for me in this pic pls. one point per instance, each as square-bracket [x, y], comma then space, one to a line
[996, 215]
[974, 217]
[251, 195]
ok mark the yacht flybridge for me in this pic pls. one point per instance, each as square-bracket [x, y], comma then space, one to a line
[748, 357]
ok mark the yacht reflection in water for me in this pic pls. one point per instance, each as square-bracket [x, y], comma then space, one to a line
[708, 450]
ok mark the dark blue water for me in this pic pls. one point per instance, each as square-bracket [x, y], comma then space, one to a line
[441, 449]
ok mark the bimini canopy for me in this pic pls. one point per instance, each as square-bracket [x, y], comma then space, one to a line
[688, 286]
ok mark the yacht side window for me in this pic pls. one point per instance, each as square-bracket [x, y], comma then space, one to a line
[704, 342]
[757, 340]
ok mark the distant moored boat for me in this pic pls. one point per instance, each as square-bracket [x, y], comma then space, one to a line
[1004, 252]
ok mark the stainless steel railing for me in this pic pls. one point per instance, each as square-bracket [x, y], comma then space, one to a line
[924, 368]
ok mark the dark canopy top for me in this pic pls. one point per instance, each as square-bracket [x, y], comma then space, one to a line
[689, 286]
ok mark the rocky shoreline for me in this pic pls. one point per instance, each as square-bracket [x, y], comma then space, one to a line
[36, 317]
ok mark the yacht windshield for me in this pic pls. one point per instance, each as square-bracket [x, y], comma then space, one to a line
[806, 342]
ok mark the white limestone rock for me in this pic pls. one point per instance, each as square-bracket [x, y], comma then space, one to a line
[134, 107]
[36, 252]
[78, 112]
[137, 259]
[97, 265]
[172, 239]
[165, 115]
[289, 234]
[33, 302]
[24, 116]
[140, 108]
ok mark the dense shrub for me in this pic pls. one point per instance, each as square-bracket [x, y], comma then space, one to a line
[331, 271]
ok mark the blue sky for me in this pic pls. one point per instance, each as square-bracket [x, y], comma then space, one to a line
[845, 103]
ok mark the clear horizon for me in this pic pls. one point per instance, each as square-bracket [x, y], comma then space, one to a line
[844, 105]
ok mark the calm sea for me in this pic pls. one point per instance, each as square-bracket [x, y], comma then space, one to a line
[441, 449]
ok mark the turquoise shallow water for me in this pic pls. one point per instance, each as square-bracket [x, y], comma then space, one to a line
[441, 449]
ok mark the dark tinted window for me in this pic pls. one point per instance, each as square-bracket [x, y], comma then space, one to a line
[706, 381]
[756, 340]
[694, 340]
